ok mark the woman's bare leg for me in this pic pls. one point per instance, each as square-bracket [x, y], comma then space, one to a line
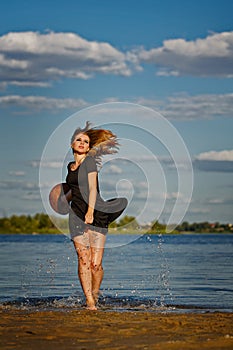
[97, 242]
[83, 249]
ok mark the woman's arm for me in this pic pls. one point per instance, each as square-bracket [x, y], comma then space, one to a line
[92, 183]
[66, 198]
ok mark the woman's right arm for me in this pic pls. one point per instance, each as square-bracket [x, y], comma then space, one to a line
[68, 196]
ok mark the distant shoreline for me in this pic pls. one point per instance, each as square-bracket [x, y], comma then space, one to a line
[122, 233]
[42, 223]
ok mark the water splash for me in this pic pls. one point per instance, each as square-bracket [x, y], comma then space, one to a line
[41, 278]
[77, 302]
[164, 293]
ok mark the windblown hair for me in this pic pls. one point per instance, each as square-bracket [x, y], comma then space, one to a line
[102, 141]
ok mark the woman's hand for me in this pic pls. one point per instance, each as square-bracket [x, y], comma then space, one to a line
[89, 217]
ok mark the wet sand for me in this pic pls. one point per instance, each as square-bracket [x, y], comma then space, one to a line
[82, 329]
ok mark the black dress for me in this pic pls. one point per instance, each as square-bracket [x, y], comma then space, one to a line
[105, 211]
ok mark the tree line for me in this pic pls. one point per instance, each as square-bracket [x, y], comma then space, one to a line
[39, 223]
[42, 223]
[204, 227]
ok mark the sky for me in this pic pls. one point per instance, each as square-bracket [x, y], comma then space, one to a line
[158, 73]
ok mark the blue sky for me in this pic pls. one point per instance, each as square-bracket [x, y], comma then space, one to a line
[173, 57]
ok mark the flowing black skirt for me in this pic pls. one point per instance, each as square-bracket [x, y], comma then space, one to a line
[105, 213]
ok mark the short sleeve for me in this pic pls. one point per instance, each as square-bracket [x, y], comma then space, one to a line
[91, 164]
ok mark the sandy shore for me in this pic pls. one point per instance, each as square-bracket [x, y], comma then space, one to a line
[21, 329]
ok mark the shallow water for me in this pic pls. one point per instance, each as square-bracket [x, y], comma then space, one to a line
[179, 273]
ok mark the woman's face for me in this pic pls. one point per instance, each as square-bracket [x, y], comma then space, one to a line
[81, 144]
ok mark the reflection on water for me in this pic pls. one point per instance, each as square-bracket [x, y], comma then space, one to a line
[155, 273]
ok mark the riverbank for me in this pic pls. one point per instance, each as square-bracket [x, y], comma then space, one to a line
[121, 232]
[82, 329]
[43, 223]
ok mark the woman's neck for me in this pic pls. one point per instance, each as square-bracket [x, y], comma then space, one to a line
[79, 158]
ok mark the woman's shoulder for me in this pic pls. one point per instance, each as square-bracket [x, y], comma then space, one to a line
[69, 165]
[90, 158]
[90, 163]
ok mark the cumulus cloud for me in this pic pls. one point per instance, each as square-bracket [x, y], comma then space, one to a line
[9, 185]
[16, 185]
[172, 195]
[175, 107]
[39, 103]
[198, 210]
[211, 56]
[212, 202]
[31, 196]
[53, 164]
[215, 201]
[38, 59]
[186, 107]
[221, 161]
[17, 173]
[226, 155]
[32, 58]
[113, 169]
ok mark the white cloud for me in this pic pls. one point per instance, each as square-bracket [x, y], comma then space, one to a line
[30, 186]
[53, 164]
[38, 59]
[172, 195]
[17, 173]
[226, 155]
[176, 107]
[215, 201]
[31, 196]
[199, 210]
[39, 103]
[27, 84]
[218, 161]
[13, 63]
[16, 185]
[113, 169]
[35, 58]
[211, 56]
[186, 107]
[9, 185]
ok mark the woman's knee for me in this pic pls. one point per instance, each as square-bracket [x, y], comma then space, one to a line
[84, 261]
[96, 267]
[84, 257]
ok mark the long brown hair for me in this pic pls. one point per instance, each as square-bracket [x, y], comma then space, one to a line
[102, 141]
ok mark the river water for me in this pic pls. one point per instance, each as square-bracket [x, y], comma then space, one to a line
[181, 273]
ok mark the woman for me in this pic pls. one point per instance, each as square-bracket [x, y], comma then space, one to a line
[89, 214]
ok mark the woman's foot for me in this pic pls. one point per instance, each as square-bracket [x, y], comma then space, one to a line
[96, 296]
[91, 307]
[91, 303]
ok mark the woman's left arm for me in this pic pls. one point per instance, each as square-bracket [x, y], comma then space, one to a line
[92, 183]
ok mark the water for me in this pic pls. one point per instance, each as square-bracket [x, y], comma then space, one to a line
[180, 273]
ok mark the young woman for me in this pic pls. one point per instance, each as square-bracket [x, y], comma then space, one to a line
[89, 214]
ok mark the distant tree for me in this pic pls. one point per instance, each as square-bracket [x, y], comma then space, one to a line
[113, 224]
[183, 227]
[128, 222]
[157, 227]
[44, 221]
[5, 225]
